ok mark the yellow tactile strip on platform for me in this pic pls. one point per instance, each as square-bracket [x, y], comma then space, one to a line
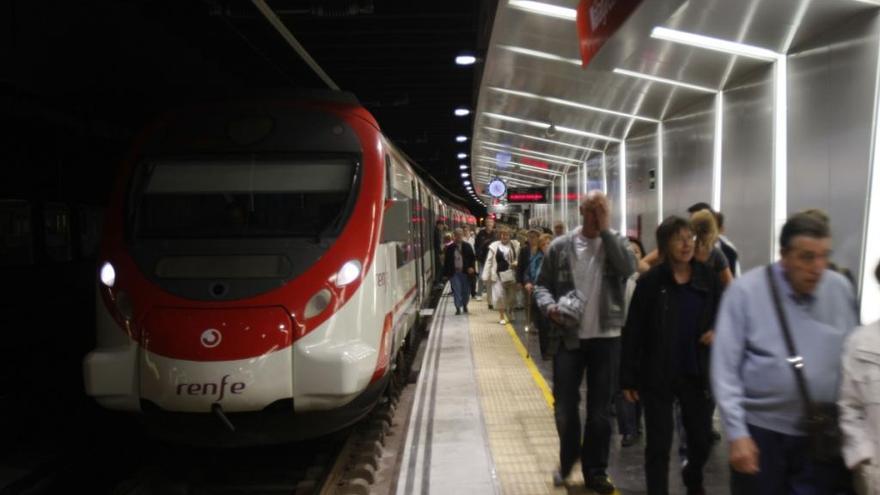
[519, 421]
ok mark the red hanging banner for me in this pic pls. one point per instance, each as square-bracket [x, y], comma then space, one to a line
[598, 20]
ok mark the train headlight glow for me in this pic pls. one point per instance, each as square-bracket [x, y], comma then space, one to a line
[349, 272]
[318, 303]
[108, 274]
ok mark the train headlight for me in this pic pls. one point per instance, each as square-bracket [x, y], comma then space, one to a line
[318, 303]
[108, 274]
[349, 272]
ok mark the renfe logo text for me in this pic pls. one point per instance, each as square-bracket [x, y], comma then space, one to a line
[211, 389]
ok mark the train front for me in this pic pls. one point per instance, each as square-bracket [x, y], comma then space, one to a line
[232, 304]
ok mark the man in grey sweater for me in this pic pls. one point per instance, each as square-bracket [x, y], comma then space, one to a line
[754, 384]
[581, 289]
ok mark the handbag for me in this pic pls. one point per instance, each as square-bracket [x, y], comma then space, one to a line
[820, 418]
[507, 276]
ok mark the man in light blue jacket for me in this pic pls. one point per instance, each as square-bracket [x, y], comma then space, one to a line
[754, 384]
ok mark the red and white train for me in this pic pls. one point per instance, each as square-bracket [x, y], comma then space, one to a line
[261, 266]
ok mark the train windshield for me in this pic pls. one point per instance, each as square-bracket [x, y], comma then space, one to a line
[240, 198]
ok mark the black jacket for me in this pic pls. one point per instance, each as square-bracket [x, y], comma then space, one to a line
[648, 341]
[481, 243]
[467, 258]
[522, 264]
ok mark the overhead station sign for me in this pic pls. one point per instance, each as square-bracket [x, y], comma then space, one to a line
[597, 21]
[527, 195]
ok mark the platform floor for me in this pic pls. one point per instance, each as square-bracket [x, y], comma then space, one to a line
[482, 421]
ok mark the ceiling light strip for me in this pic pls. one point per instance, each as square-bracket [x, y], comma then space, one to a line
[534, 157]
[715, 44]
[572, 104]
[542, 55]
[543, 140]
[526, 150]
[522, 166]
[542, 125]
[542, 8]
[663, 80]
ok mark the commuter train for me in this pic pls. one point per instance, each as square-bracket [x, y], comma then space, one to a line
[261, 266]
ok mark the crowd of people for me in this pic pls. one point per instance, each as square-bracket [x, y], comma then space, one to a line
[666, 337]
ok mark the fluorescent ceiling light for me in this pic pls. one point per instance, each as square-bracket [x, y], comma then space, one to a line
[464, 174]
[460, 139]
[465, 60]
[467, 182]
[462, 167]
[531, 152]
[462, 156]
[543, 55]
[462, 112]
[543, 140]
[875, 3]
[718, 45]
[567, 163]
[542, 125]
[523, 166]
[664, 80]
[572, 104]
[544, 9]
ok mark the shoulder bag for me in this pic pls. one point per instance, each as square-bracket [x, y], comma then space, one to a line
[820, 418]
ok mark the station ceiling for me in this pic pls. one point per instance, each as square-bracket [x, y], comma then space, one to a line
[107, 66]
[534, 79]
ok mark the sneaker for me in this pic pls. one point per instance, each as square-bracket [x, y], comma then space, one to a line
[600, 483]
[458, 311]
[716, 436]
[630, 439]
[490, 307]
[465, 310]
[502, 322]
[478, 298]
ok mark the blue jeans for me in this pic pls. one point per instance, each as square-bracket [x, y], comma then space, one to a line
[785, 469]
[461, 289]
[596, 358]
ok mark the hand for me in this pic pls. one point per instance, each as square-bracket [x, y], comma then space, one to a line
[631, 395]
[707, 338]
[528, 286]
[744, 455]
[553, 314]
[470, 271]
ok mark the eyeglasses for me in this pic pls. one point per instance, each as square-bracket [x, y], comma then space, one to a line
[678, 239]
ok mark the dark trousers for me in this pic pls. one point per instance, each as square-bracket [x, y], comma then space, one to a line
[786, 470]
[596, 358]
[461, 290]
[540, 323]
[696, 412]
[629, 416]
[472, 279]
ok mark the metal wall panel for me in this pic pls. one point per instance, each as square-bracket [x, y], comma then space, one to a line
[688, 144]
[612, 167]
[831, 94]
[747, 158]
[641, 199]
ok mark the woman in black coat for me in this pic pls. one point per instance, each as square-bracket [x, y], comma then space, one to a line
[665, 354]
